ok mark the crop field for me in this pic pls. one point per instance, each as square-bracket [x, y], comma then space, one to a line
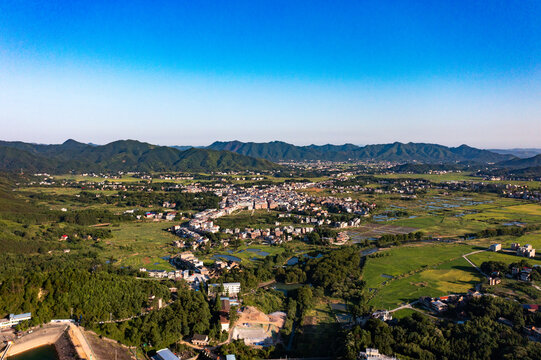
[456, 176]
[459, 176]
[455, 276]
[507, 258]
[371, 230]
[403, 260]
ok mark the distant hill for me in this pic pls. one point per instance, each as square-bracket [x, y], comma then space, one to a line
[530, 162]
[123, 155]
[521, 153]
[397, 152]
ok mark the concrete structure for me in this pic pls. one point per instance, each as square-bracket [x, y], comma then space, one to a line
[495, 247]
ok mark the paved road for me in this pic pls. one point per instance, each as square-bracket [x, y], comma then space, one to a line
[81, 339]
[465, 256]
[407, 306]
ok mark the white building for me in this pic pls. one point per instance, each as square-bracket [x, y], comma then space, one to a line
[495, 247]
[13, 320]
[231, 289]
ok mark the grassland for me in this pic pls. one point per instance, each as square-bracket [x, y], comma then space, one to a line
[258, 219]
[318, 330]
[139, 244]
[247, 253]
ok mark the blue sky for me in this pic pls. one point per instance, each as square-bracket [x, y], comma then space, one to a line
[191, 72]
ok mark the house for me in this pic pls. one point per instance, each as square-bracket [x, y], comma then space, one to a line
[230, 357]
[524, 276]
[515, 246]
[383, 315]
[200, 340]
[224, 323]
[438, 305]
[495, 247]
[373, 354]
[170, 216]
[531, 307]
[526, 251]
[494, 281]
[165, 354]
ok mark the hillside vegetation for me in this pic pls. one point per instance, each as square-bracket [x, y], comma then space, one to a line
[123, 155]
[428, 153]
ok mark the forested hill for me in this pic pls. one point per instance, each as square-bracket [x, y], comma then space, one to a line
[399, 152]
[122, 155]
[534, 161]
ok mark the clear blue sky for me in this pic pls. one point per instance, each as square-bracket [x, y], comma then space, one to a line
[191, 72]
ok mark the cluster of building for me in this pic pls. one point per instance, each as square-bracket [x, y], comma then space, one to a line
[522, 192]
[160, 216]
[526, 250]
[441, 304]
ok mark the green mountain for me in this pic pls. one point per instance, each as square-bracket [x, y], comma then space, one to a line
[397, 152]
[123, 155]
[534, 161]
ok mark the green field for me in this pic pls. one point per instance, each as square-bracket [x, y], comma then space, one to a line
[458, 176]
[479, 258]
[257, 219]
[402, 261]
[456, 276]
[420, 270]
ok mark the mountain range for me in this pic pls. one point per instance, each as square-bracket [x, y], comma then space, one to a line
[122, 155]
[396, 152]
[131, 155]
[518, 152]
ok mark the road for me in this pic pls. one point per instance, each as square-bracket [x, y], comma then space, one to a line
[407, 306]
[465, 256]
[81, 344]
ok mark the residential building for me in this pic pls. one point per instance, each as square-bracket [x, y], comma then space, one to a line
[200, 340]
[383, 315]
[495, 247]
[231, 289]
[373, 354]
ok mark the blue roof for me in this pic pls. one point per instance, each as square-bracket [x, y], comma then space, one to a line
[230, 357]
[166, 354]
[20, 316]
